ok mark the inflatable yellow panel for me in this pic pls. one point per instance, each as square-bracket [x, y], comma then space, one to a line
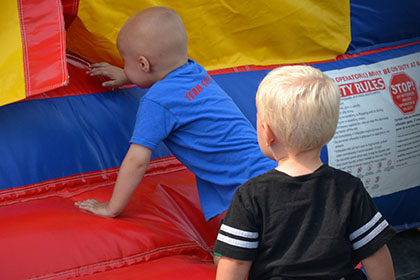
[224, 34]
[12, 77]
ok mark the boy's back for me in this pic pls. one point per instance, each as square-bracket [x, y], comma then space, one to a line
[205, 130]
[317, 217]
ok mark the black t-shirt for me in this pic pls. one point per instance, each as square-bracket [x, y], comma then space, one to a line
[316, 225]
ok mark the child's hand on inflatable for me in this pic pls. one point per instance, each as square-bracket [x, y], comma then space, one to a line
[95, 207]
[115, 74]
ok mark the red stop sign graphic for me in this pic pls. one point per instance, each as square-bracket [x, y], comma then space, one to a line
[404, 92]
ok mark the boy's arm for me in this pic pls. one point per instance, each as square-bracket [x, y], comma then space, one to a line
[114, 73]
[131, 172]
[379, 265]
[232, 269]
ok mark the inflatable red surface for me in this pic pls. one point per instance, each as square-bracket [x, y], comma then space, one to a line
[162, 232]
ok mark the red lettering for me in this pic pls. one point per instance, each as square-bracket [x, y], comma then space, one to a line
[402, 87]
[198, 88]
[362, 87]
[189, 96]
[206, 81]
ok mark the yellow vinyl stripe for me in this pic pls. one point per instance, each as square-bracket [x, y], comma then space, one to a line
[12, 76]
[226, 33]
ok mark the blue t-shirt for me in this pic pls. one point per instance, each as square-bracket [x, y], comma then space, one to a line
[205, 130]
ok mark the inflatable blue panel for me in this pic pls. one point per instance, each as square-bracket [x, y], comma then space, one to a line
[401, 209]
[383, 23]
[57, 137]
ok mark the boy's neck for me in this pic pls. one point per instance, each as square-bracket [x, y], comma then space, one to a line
[301, 163]
[170, 68]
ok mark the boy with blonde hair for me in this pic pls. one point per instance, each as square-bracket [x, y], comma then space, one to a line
[303, 219]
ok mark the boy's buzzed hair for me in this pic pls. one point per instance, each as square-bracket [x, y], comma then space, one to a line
[157, 33]
[301, 105]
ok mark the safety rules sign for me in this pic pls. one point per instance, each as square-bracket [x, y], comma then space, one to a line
[378, 134]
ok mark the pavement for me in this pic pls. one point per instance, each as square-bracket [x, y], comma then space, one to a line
[405, 251]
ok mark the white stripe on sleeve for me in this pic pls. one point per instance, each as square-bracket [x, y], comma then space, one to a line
[239, 232]
[365, 227]
[237, 242]
[362, 242]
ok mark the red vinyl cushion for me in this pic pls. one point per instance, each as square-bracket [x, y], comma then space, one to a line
[44, 236]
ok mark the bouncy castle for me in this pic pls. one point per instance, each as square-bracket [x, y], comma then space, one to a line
[63, 136]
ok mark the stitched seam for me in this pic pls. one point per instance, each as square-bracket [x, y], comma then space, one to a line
[60, 19]
[25, 50]
[80, 179]
[91, 175]
[116, 262]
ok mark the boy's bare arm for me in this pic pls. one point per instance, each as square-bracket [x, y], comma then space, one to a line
[114, 73]
[232, 269]
[379, 265]
[131, 172]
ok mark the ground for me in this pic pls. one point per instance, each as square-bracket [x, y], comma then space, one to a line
[405, 251]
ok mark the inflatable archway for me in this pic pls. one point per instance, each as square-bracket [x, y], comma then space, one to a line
[63, 136]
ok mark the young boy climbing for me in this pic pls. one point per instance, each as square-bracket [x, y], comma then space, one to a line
[184, 108]
[303, 219]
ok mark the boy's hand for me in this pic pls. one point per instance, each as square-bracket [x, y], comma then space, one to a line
[115, 74]
[95, 207]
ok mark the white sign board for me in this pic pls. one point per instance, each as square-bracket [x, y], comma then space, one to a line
[378, 134]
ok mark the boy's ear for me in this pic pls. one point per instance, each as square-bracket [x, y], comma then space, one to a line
[144, 63]
[268, 134]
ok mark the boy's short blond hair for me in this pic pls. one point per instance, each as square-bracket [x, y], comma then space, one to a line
[301, 105]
